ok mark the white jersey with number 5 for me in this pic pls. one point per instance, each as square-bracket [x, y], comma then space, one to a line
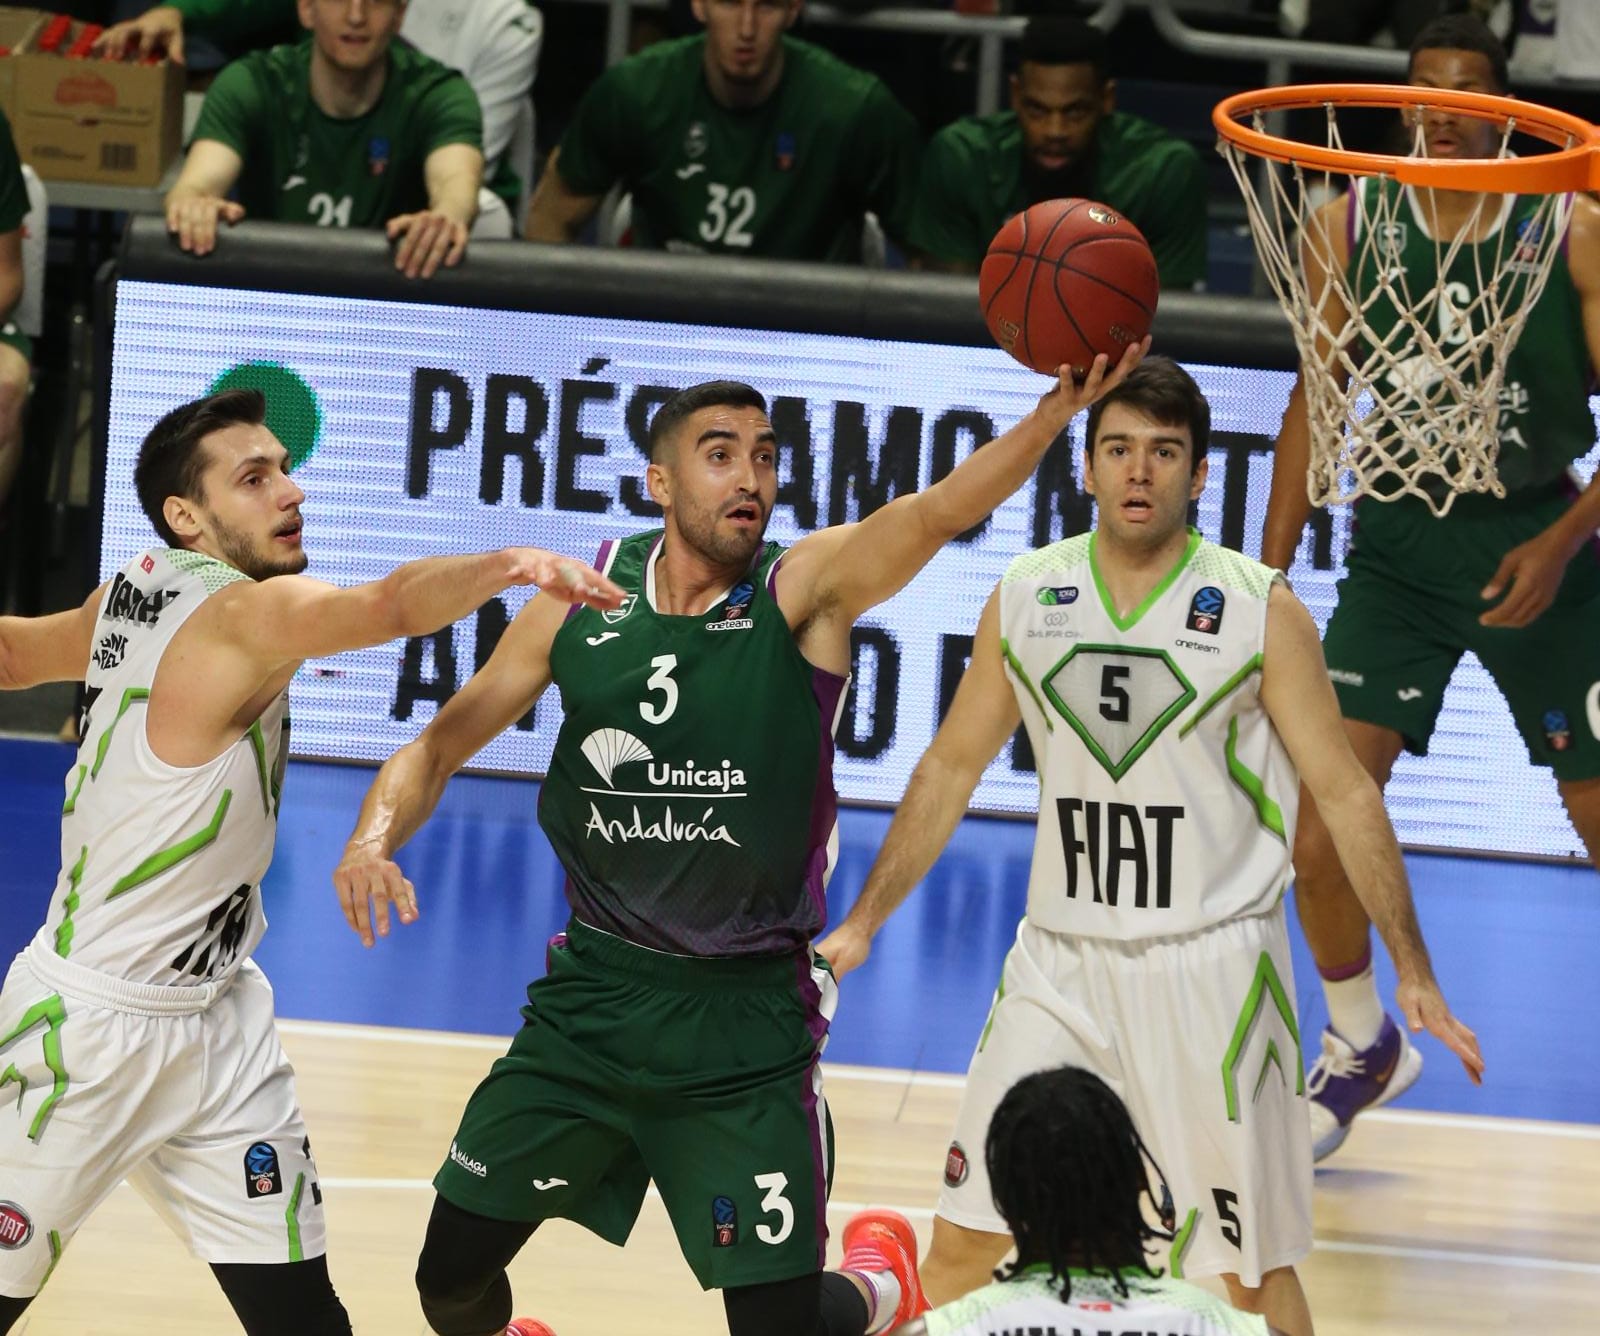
[161, 865]
[1167, 802]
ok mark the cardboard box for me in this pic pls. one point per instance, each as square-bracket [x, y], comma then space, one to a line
[77, 118]
[18, 30]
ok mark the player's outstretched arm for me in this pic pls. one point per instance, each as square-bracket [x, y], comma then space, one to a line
[409, 785]
[197, 199]
[982, 716]
[438, 234]
[1301, 703]
[292, 617]
[1323, 249]
[48, 649]
[849, 568]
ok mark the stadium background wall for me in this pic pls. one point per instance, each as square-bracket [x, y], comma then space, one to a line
[508, 401]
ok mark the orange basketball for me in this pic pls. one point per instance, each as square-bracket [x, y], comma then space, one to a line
[1064, 280]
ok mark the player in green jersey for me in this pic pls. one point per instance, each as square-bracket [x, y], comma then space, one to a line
[1063, 137]
[16, 349]
[677, 1032]
[741, 141]
[348, 130]
[1070, 1178]
[1515, 580]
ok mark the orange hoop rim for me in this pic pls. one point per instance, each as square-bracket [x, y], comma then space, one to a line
[1573, 166]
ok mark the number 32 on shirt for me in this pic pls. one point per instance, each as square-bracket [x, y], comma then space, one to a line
[729, 210]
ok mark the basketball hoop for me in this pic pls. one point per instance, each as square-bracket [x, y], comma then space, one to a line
[1403, 372]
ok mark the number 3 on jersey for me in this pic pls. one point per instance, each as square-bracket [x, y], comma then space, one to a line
[661, 680]
[728, 215]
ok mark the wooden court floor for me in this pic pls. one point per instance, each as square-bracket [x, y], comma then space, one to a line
[1428, 1223]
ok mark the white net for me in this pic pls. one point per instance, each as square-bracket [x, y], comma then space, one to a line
[1405, 303]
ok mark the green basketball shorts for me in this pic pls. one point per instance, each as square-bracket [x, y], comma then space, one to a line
[1408, 609]
[633, 1065]
[13, 337]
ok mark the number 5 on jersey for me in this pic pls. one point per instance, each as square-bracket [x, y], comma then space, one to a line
[661, 680]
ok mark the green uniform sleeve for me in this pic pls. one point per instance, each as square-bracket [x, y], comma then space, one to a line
[1174, 220]
[450, 115]
[594, 148]
[944, 224]
[885, 155]
[13, 189]
[236, 107]
[234, 20]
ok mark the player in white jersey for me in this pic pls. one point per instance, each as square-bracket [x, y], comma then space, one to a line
[1071, 1179]
[136, 1036]
[1171, 690]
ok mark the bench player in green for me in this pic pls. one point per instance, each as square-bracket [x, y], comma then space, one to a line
[1071, 1178]
[1175, 697]
[1063, 137]
[677, 1033]
[740, 141]
[1516, 581]
[16, 348]
[348, 129]
[137, 1039]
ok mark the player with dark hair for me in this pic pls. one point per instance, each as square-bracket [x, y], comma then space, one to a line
[741, 140]
[1515, 580]
[135, 1028]
[1175, 698]
[677, 1032]
[1063, 137]
[1071, 1178]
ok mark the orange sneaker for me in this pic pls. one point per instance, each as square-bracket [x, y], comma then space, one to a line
[528, 1326]
[883, 1240]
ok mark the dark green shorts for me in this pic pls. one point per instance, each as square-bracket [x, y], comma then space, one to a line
[15, 338]
[633, 1065]
[1408, 609]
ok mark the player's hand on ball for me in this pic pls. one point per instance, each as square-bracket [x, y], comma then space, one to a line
[1069, 396]
[1424, 1007]
[367, 884]
[563, 578]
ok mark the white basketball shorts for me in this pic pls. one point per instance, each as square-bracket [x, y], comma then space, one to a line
[1198, 1036]
[184, 1092]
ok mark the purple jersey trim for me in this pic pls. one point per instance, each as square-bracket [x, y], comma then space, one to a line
[817, 1027]
[828, 689]
[602, 563]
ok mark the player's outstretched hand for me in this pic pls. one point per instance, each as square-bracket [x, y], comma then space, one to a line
[193, 220]
[425, 241]
[156, 32]
[563, 578]
[845, 948]
[367, 884]
[1069, 396]
[1424, 1007]
[1533, 570]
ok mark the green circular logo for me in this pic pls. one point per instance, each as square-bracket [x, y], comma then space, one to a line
[293, 414]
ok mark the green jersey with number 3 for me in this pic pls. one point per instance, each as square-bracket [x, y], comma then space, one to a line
[690, 795]
[789, 179]
[304, 166]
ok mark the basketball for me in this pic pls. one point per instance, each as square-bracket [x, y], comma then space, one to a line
[1064, 280]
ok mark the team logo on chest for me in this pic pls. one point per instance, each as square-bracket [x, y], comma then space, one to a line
[696, 140]
[783, 151]
[616, 614]
[1205, 610]
[733, 617]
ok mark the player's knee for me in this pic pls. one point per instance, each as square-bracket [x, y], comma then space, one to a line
[14, 374]
[1316, 861]
[287, 1299]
